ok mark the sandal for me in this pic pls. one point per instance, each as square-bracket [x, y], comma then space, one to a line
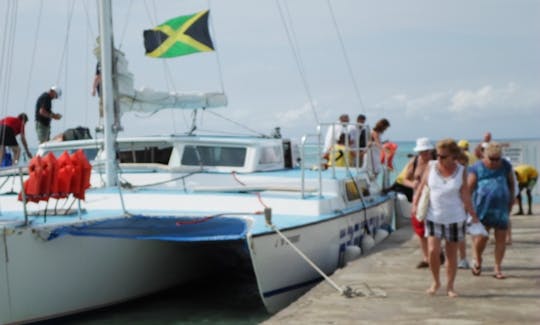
[422, 265]
[476, 269]
[499, 276]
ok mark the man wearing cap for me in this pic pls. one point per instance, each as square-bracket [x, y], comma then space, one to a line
[44, 113]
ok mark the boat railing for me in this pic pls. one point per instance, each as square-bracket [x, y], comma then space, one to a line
[351, 149]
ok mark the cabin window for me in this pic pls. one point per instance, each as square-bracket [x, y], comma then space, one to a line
[270, 155]
[146, 155]
[213, 156]
[90, 153]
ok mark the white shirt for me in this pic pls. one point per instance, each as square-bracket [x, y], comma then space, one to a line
[339, 128]
[445, 204]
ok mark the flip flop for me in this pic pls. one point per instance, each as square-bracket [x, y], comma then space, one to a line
[499, 276]
[476, 270]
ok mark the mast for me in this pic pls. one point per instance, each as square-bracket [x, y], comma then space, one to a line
[105, 28]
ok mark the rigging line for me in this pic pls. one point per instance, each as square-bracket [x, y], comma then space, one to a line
[153, 20]
[294, 38]
[237, 124]
[34, 51]
[218, 58]
[346, 57]
[298, 64]
[122, 36]
[3, 64]
[12, 29]
[66, 40]
[88, 20]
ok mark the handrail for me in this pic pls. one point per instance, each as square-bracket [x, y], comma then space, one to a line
[319, 152]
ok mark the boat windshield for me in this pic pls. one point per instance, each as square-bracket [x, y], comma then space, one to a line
[213, 156]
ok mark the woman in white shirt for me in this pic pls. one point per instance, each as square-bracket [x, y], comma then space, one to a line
[449, 203]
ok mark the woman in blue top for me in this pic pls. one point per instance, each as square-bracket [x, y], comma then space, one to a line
[492, 184]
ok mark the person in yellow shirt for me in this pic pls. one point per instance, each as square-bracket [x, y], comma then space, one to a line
[340, 154]
[464, 144]
[527, 176]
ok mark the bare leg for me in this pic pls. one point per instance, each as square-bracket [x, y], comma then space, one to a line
[500, 248]
[518, 199]
[479, 245]
[451, 249]
[508, 237]
[529, 200]
[16, 153]
[424, 247]
[462, 246]
[434, 249]
[1, 154]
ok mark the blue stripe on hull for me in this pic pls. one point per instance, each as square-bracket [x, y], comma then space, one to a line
[296, 286]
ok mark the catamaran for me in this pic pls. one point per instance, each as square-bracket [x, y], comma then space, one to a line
[163, 210]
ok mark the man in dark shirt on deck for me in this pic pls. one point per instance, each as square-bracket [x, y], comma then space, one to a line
[44, 113]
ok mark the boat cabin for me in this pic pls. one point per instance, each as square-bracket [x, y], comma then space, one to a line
[188, 153]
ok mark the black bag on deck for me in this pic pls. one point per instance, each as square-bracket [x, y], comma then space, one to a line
[78, 133]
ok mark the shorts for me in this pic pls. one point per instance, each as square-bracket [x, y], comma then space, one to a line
[43, 132]
[418, 226]
[454, 232]
[531, 183]
[7, 136]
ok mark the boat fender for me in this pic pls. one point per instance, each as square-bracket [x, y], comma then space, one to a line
[403, 206]
[65, 174]
[380, 235]
[351, 253]
[387, 155]
[367, 243]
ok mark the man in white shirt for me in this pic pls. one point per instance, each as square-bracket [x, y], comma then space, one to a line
[335, 130]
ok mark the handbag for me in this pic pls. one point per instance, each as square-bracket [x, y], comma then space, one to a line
[423, 204]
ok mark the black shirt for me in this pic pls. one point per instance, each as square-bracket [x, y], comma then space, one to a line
[43, 101]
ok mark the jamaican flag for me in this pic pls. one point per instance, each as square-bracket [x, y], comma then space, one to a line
[179, 36]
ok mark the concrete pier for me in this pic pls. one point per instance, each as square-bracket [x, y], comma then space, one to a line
[391, 290]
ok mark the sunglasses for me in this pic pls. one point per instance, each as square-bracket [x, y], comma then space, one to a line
[494, 158]
[442, 156]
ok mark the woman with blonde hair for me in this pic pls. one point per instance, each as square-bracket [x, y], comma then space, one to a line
[449, 203]
[492, 182]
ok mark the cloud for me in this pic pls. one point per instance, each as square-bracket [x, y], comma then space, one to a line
[294, 116]
[466, 102]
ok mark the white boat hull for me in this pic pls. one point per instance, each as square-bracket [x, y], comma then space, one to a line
[283, 276]
[80, 273]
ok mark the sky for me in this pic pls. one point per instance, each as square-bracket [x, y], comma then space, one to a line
[433, 68]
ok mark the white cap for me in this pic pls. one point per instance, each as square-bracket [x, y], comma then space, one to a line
[57, 90]
[423, 144]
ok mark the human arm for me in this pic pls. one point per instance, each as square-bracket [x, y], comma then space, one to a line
[96, 83]
[511, 179]
[46, 113]
[409, 180]
[465, 192]
[418, 190]
[25, 146]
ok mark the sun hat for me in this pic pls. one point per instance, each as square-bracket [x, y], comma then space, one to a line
[463, 144]
[57, 90]
[423, 144]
